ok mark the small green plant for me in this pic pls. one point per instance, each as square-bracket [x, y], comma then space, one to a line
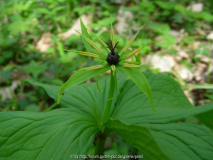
[111, 61]
[86, 114]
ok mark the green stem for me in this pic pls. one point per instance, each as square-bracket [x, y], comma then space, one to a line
[198, 86]
[51, 107]
[109, 100]
[101, 137]
[99, 148]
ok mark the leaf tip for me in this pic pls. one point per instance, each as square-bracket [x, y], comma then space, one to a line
[78, 32]
[154, 109]
[139, 30]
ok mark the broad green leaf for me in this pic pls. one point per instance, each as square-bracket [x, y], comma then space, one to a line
[85, 97]
[139, 79]
[132, 107]
[163, 115]
[138, 137]
[183, 140]
[130, 104]
[168, 99]
[85, 33]
[80, 77]
[167, 141]
[206, 117]
[49, 135]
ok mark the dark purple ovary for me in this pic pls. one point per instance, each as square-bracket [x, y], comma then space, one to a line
[113, 58]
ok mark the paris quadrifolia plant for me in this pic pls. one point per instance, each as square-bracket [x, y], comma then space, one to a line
[145, 109]
[111, 61]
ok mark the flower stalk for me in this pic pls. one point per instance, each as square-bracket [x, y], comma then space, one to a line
[112, 88]
[99, 147]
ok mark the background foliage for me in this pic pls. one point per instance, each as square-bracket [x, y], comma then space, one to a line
[32, 45]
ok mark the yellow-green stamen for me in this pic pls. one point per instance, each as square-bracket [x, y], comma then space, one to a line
[128, 44]
[102, 42]
[132, 53]
[85, 53]
[94, 45]
[91, 42]
[112, 34]
[89, 54]
[94, 67]
[112, 37]
[131, 66]
[131, 40]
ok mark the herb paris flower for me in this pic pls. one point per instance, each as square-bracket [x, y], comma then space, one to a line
[111, 61]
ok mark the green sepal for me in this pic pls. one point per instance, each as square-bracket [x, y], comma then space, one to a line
[102, 55]
[102, 42]
[139, 79]
[89, 54]
[80, 77]
[85, 34]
